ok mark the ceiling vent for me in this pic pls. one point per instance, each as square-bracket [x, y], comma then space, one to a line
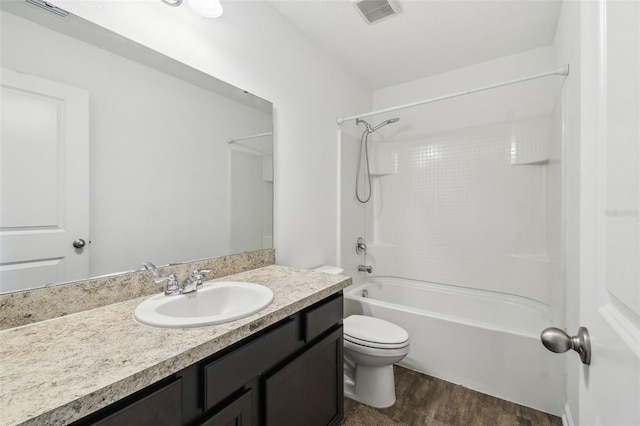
[376, 10]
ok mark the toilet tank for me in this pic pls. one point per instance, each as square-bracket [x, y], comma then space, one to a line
[328, 269]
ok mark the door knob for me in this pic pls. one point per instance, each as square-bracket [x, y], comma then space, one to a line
[556, 340]
[79, 243]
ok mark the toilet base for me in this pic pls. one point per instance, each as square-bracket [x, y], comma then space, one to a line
[373, 386]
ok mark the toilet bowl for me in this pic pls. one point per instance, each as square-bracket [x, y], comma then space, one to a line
[371, 347]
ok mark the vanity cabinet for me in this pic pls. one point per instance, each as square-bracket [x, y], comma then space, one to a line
[161, 406]
[288, 374]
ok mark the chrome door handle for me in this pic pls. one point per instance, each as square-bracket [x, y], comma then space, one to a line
[79, 243]
[556, 340]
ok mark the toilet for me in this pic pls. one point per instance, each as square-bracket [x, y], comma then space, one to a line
[371, 347]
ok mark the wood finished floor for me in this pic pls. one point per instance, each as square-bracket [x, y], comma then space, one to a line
[425, 400]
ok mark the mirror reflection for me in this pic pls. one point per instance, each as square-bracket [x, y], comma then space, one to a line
[113, 155]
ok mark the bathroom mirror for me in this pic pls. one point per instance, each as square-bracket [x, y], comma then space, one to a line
[114, 155]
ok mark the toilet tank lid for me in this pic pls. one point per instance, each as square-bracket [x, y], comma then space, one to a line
[328, 269]
[374, 330]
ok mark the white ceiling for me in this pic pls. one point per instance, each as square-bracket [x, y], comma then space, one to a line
[427, 37]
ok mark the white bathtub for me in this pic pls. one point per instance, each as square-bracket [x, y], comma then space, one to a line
[481, 340]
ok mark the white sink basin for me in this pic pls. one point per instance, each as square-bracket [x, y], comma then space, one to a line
[215, 303]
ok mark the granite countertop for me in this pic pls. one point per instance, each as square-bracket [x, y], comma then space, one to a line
[56, 371]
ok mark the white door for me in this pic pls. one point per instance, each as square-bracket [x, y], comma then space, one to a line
[609, 389]
[44, 182]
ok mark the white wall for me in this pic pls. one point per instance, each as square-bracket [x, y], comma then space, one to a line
[510, 103]
[253, 47]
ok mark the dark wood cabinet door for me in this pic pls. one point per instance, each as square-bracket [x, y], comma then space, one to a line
[228, 374]
[237, 413]
[309, 390]
[161, 408]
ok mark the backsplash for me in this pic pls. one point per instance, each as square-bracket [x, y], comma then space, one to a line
[30, 306]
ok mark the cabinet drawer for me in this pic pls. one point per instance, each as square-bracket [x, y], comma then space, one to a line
[237, 368]
[319, 318]
[161, 408]
[238, 412]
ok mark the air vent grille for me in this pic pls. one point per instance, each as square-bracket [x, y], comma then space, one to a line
[49, 8]
[375, 10]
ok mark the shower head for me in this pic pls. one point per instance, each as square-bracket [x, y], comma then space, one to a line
[384, 123]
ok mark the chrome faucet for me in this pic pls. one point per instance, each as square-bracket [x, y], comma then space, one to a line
[365, 268]
[191, 284]
[194, 282]
[173, 287]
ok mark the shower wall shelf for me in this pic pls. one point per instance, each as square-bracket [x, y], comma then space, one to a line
[531, 256]
[541, 162]
[381, 245]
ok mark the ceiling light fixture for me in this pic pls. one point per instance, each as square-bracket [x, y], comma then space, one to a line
[206, 8]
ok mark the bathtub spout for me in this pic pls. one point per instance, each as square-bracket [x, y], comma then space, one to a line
[365, 268]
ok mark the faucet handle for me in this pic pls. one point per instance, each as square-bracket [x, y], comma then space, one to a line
[173, 287]
[200, 273]
[197, 275]
[361, 247]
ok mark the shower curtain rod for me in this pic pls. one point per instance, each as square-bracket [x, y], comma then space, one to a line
[259, 135]
[564, 70]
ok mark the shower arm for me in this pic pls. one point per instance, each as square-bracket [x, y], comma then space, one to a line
[367, 125]
[563, 71]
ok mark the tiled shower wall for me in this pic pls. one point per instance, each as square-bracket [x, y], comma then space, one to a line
[467, 192]
[467, 207]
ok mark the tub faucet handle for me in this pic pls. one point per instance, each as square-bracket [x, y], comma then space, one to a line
[361, 247]
[365, 268]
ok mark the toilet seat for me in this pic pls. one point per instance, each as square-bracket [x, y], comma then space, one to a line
[374, 333]
[375, 345]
